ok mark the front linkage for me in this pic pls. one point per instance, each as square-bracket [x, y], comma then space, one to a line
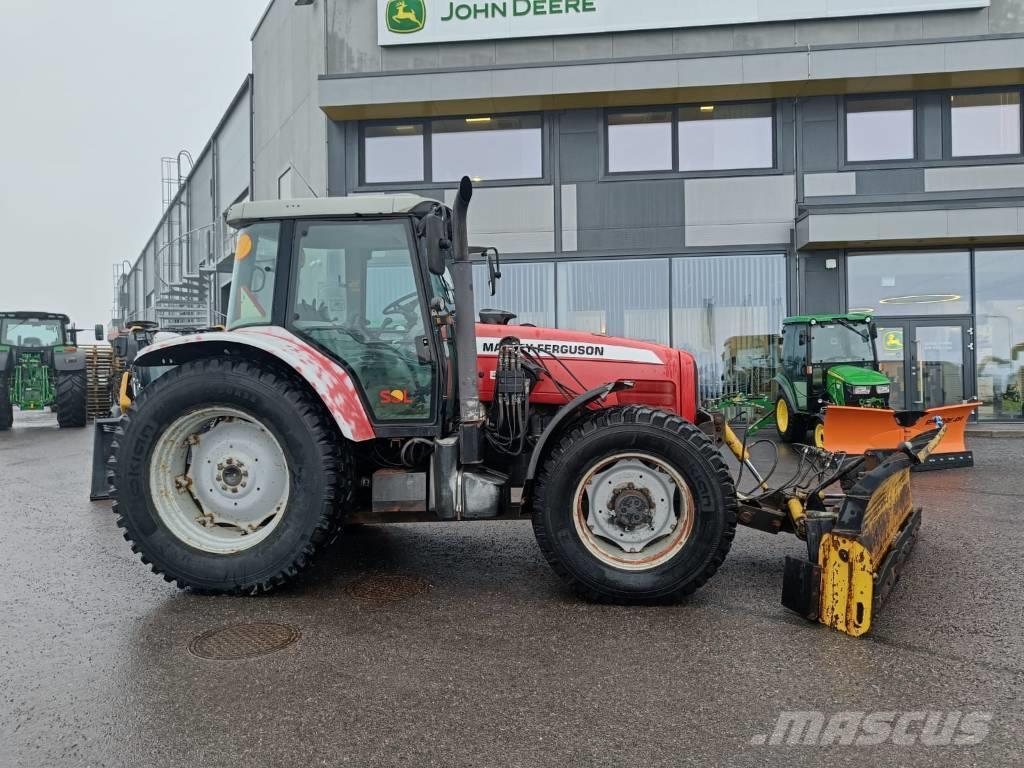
[857, 541]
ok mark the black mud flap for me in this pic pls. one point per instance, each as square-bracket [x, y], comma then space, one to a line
[102, 437]
[801, 587]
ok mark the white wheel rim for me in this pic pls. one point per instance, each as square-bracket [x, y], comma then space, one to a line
[219, 480]
[633, 511]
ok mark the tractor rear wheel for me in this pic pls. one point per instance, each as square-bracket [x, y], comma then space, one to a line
[791, 426]
[634, 505]
[71, 399]
[228, 476]
[6, 408]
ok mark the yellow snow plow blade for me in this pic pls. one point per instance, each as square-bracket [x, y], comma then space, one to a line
[858, 430]
[862, 557]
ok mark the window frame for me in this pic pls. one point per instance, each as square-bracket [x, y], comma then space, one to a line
[947, 128]
[675, 172]
[844, 146]
[427, 126]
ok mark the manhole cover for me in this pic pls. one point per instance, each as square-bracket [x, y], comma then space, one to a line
[387, 589]
[243, 641]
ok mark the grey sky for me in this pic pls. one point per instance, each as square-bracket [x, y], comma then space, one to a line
[92, 95]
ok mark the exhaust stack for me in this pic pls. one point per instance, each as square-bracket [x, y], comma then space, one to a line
[471, 414]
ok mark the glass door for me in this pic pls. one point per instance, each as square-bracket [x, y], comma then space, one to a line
[892, 360]
[927, 361]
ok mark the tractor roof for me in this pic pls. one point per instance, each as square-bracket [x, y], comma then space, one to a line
[853, 317]
[242, 214]
[35, 316]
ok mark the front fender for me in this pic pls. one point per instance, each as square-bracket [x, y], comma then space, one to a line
[332, 383]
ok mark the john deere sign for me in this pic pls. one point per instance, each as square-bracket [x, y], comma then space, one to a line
[406, 16]
[442, 21]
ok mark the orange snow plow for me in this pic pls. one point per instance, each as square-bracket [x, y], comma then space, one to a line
[858, 430]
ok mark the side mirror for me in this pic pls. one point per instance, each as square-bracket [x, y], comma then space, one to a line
[99, 332]
[493, 269]
[121, 346]
[438, 245]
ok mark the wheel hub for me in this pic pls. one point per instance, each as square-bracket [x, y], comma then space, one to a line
[237, 479]
[631, 505]
[220, 480]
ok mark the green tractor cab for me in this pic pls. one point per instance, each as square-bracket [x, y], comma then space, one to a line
[41, 367]
[826, 360]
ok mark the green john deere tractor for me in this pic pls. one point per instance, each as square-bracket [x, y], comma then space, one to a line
[41, 366]
[826, 360]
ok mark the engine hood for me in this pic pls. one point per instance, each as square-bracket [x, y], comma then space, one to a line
[665, 377]
[857, 376]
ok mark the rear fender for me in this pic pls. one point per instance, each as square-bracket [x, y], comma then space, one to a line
[330, 381]
[5, 360]
[68, 361]
[788, 393]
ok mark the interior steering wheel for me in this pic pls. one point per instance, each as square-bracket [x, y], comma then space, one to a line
[404, 306]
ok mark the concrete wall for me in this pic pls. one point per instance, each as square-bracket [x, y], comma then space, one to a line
[289, 130]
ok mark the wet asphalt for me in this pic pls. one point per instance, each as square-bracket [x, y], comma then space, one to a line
[495, 663]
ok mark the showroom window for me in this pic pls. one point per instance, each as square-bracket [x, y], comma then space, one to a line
[727, 312]
[985, 124]
[718, 137]
[485, 148]
[639, 141]
[392, 153]
[999, 275]
[688, 139]
[623, 297]
[879, 129]
[526, 289]
[910, 284]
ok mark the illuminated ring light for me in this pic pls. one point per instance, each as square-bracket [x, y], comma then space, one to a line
[922, 298]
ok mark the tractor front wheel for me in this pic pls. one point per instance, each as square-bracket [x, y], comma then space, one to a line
[6, 407]
[791, 426]
[71, 399]
[634, 505]
[228, 476]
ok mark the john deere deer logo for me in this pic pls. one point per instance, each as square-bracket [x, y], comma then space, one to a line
[406, 16]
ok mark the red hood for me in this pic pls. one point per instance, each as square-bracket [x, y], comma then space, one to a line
[665, 377]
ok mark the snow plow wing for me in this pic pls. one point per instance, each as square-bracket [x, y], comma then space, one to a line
[859, 430]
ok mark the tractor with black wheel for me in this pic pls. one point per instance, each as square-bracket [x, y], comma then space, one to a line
[41, 366]
[353, 384]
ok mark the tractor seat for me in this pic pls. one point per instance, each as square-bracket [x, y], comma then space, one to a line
[31, 341]
[496, 316]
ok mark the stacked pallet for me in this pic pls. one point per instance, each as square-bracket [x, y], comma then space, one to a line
[99, 368]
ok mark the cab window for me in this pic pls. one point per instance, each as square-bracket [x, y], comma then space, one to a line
[31, 332]
[254, 275]
[356, 295]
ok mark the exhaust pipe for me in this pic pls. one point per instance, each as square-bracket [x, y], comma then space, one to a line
[471, 416]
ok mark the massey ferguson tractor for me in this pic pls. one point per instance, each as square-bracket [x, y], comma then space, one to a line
[353, 385]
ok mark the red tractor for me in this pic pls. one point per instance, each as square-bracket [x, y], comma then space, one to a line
[353, 385]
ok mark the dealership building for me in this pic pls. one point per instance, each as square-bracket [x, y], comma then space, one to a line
[686, 173]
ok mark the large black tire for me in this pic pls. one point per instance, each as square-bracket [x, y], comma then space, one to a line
[794, 430]
[319, 466]
[600, 435]
[71, 399]
[6, 408]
